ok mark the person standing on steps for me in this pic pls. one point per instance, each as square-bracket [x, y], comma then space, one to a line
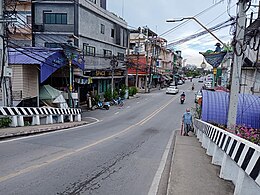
[187, 121]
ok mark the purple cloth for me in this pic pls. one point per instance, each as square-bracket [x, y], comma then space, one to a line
[49, 59]
[215, 108]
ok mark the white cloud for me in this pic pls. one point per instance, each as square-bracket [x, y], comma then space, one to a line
[154, 14]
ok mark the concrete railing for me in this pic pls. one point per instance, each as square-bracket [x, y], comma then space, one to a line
[17, 114]
[239, 159]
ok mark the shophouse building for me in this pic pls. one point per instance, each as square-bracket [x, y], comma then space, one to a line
[149, 61]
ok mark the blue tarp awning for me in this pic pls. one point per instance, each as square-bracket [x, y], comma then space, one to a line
[215, 108]
[49, 59]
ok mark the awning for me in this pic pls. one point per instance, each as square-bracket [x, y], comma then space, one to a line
[49, 59]
[215, 108]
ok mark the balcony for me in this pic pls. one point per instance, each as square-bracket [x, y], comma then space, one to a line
[54, 28]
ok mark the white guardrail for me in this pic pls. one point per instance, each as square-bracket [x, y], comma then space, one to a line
[17, 114]
[239, 159]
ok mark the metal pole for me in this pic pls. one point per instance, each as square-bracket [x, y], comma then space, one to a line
[236, 72]
[146, 69]
[193, 18]
[112, 81]
[70, 84]
[2, 53]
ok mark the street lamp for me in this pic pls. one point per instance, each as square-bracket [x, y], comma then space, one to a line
[193, 18]
[217, 58]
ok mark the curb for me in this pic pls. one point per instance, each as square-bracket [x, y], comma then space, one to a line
[173, 154]
[40, 130]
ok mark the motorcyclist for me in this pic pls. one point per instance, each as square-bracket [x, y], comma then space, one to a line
[182, 97]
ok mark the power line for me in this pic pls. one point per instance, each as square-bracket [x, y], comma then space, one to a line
[215, 28]
[185, 22]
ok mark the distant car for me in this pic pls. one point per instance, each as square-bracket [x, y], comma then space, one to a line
[180, 82]
[200, 80]
[198, 95]
[172, 89]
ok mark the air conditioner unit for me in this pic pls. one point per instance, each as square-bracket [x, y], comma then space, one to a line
[38, 28]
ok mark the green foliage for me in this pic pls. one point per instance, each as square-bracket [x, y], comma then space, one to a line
[108, 95]
[193, 73]
[96, 99]
[132, 91]
[27, 123]
[135, 90]
[5, 122]
[122, 92]
[115, 94]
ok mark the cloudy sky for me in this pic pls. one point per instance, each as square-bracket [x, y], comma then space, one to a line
[154, 14]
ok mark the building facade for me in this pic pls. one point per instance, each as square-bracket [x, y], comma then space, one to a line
[150, 62]
[98, 33]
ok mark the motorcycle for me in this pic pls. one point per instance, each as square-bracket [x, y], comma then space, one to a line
[192, 88]
[118, 101]
[101, 105]
[182, 99]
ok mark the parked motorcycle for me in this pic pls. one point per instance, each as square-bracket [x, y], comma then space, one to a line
[101, 105]
[118, 101]
[182, 99]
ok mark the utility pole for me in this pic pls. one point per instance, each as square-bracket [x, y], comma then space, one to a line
[137, 63]
[127, 63]
[114, 64]
[147, 58]
[6, 72]
[237, 64]
[151, 66]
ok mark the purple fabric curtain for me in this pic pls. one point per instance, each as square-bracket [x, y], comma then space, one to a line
[215, 108]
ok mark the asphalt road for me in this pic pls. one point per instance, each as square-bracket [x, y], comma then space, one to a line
[121, 153]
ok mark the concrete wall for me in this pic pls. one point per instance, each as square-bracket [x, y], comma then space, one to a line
[25, 79]
[91, 16]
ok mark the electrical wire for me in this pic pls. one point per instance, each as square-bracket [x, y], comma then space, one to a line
[185, 22]
[194, 36]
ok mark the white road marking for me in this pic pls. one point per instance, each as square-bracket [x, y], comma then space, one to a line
[137, 102]
[128, 107]
[117, 113]
[157, 177]
[156, 180]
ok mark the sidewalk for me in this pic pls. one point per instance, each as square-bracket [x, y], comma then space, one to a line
[192, 171]
[30, 130]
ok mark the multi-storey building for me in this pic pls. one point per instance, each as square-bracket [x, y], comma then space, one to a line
[150, 62]
[98, 33]
[19, 33]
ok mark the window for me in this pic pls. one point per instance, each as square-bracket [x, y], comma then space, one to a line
[121, 56]
[93, 1]
[102, 29]
[28, 19]
[107, 53]
[55, 18]
[52, 45]
[90, 51]
[112, 32]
